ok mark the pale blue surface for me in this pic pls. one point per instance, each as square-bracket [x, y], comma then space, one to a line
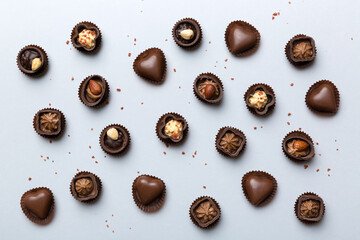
[49, 23]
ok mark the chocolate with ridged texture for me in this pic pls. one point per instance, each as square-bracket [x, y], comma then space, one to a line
[85, 187]
[151, 65]
[208, 88]
[323, 97]
[298, 146]
[230, 141]
[300, 50]
[32, 60]
[171, 128]
[114, 139]
[260, 99]
[38, 205]
[187, 33]
[148, 193]
[309, 208]
[49, 122]
[259, 187]
[94, 91]
[241, 38]
[205, 212]
[86, 37]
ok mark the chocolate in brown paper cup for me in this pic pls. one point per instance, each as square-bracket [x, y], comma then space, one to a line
[269, 107]
[200, 79]
[195, 43]
[36, 124]
[153, 206]
[126, 144]
[248, 27]
[104, 95]
[212, 222]
[335, 92]
[160, 125]
[261, 173]
[30, 215]
[301, 136]
[222, 131]
[96, 183]
[75, 34]
[44, 64]
[288, 51]
[144, 54]
[322, 208]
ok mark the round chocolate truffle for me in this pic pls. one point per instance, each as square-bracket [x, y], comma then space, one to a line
[114, 139]
[85, 187]
[32, 60]
[187, 33]
[86, 37]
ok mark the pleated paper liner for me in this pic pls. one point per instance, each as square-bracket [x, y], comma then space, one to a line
[269, 107]
[154, 205]
[301, 136]
[127, 140]
[288, 50]
[44, 58]
[208, 76]
[36, 123]
[75, 34]
[222, 131]
[336, 93]
[194, 43]
[196, 203]
[104, 96]
[322, 211]
[84, 199]
[141, 55]
[160, 125]
[262, 173]
[31, 216]
[246, 26]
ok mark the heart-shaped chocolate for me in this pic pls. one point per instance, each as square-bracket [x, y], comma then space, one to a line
[151, 65]
[241, 37]
[322, 97]
[37, 204]
[258, 187]
[148, 189]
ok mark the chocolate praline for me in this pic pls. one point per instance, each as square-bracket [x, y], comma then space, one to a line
[114, 139]
[230, 141]
[32, 60]
[323, 98]
[187, 33]
[150, 65]
[242, 39]
[148, 193]
[208, 88]
[93, 91]
[300, 50]
[91, 35]
[298, 146]
[38, 205]
[85, 187]
[309, 208]
[49, 122]
[205, 212]
[259, 187]
[262, 97]
[171, 128]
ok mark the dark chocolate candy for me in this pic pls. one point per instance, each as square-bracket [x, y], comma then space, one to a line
[241, 38]
[94, 91]
[151, 65]
[298, 146]
[187, 33]
[84, 47]
[49, 122]
[32, 60]
[171, 134]
[259, 187]
[113, 145]
[323, 97]
[205, 212]
[271, 99]
[85, 187]
[309, 208]
[208, 88]
[300, 50]
[230, 141]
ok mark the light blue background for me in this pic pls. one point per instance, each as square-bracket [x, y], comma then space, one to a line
[48, 23]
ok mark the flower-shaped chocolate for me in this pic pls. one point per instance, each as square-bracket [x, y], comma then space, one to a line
[49, 122]
[86, 36]
[84, 186]
[230, 141]
[260, 99]
[303, 50]
[310, 208]
[171, 128]
[205, 212]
